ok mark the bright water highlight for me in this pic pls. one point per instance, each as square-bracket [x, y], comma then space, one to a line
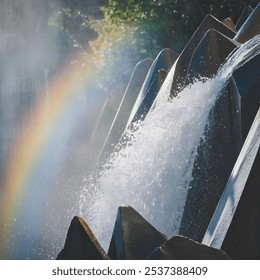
[153, 171]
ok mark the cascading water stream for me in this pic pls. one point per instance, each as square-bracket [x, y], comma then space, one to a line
[153, 171]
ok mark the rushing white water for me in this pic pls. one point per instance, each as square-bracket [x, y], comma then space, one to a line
[153, 171]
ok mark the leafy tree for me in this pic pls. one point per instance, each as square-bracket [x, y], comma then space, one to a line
[169, 23]
[131, 30]
[119, 33]
[75, 17]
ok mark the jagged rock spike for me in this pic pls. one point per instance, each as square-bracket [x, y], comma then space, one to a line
[209, 55]
[250, 28]
[214, 162]
[148, 100]
[244, 15]
[183, 248]
[133, 237]
[153, 82]
[120, 121]
[183, 61]
[81, 243]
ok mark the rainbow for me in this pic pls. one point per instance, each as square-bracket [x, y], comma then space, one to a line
[33, 139]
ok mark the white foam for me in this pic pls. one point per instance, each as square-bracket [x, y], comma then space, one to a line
[152, 173]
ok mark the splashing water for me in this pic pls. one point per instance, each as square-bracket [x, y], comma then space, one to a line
[153, 171]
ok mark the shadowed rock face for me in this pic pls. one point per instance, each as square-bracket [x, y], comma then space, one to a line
[183, 62]
[211, 52]
[133, 237]
[250, 28]
[231, 117]
[123, 113]
[182, 248]
[247, 79]
[242, 239]
[81, 243]
[152, 84]
[245, 14]
[214, 163]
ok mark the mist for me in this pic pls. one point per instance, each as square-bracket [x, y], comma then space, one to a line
[36, 57]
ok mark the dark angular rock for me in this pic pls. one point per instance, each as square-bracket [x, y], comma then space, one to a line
[215, 159]
[234, 189]
[152, 84]
[120, 121]
[245, 14]
[183, 61]
[81, 243]
[150, 97]
[183, 248]
[209, 55]
[242, 239]
[247, 79]
[133, 237]
[250, 28]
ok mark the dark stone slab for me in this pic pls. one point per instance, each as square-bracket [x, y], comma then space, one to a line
[245, 14]
[150, 97]
[152, 84]
[81, 243]
[133, 237]
[242, 240]
[183, 61]
[230, 198]
[209, 55]
[215, 159]
[250, 28]
[123, 113]
[183, 248]
[247, 79]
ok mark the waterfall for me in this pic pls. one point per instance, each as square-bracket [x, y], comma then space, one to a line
[153, 170]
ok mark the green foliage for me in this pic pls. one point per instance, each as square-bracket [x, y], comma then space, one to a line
[114, 52]
[169, 23]
[158, 24]
[120, 33]
[75, 17]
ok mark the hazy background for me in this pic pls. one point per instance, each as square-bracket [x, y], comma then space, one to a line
[38, 40]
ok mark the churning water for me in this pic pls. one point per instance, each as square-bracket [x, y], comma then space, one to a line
[153, 170]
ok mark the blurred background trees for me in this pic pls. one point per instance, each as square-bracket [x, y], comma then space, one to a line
[118, 33]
